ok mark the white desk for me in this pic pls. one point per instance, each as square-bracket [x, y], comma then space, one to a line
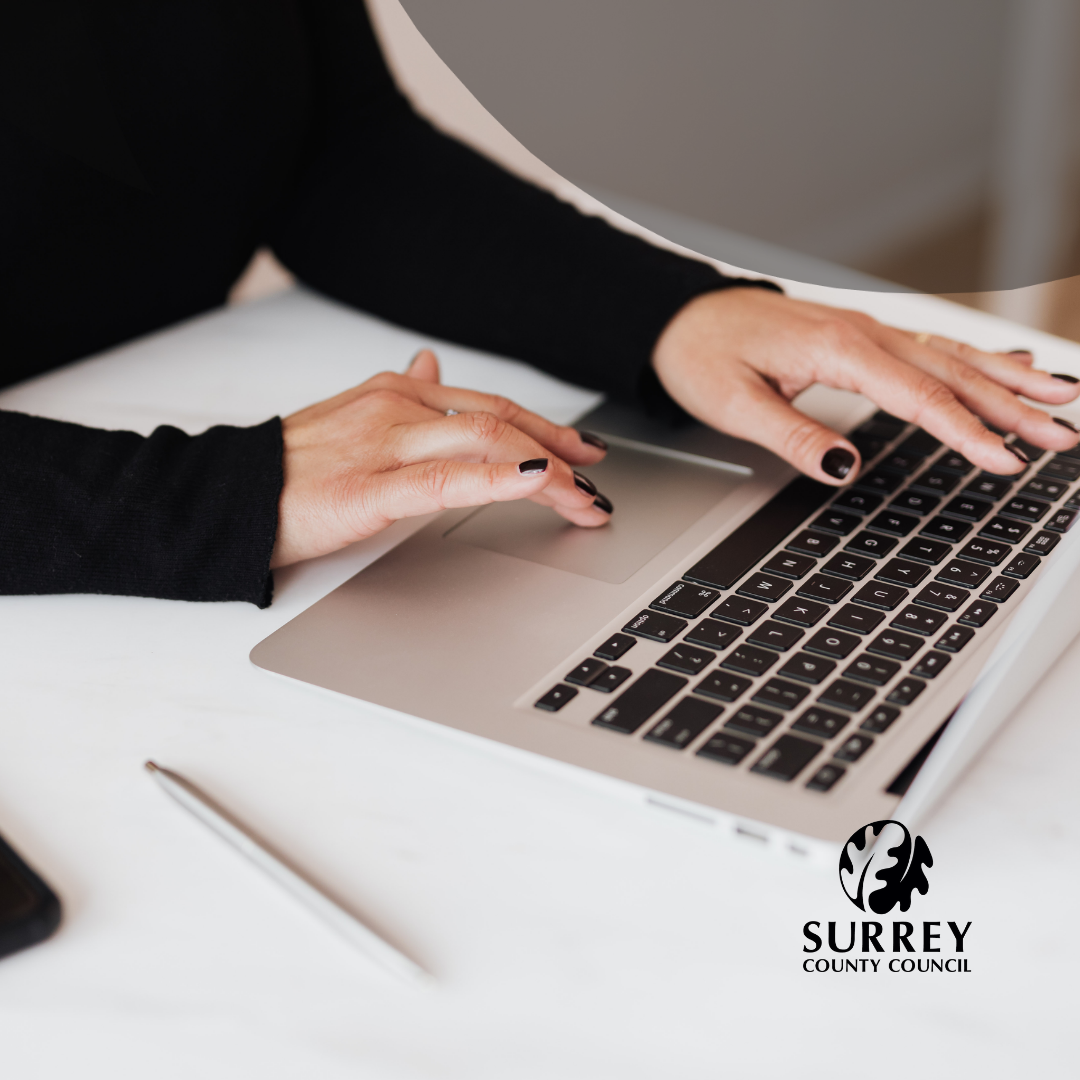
[574, 937]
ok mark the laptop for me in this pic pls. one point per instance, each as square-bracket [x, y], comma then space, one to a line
[742, 645]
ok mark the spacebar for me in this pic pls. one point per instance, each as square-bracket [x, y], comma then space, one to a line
[759, 534]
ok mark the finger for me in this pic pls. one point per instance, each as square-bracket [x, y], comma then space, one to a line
[440, 485]
[424, 367]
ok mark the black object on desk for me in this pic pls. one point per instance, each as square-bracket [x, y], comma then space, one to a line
[29, 909]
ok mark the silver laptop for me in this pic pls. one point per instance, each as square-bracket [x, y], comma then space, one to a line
[741, 644]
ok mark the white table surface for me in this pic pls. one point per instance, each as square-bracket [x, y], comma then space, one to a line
[574, 936]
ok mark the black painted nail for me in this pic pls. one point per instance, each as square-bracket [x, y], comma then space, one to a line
[602, 502]
[592, 440]
[1065, 378]
[584, 483]
[1018, 453]
[1019, 352]
[533, 467]
[837, 462]
[1065, 423]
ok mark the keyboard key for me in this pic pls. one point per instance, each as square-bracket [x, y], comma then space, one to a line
[989, 486]
[684, 723]
[915, 503]
[749, 660]
[900, 462]
[764, 587]
[920, 442]
[655, 627]
[853, 747]
[861, 620]
[879, 482]
[928, 551]
[944, 597]
[847, 695]
[1042, 543]
[893, 524]
[919, 620]
[611, 679]
[1022, 566]
[852, 567]
[898, 646]
[722, 686]
[886, 597]
[1000, 589]
[990, 552]
[901, 572]
[1024, 509]
[906, 691]
[780, 694]
[687, 659]
[725, 748]
[967, 507]
[585, 672]
[833, 521]
[753, 720]
[639, 701]
[884, 425]
[737, 610]
[951, 461]
[825, 778]
[1061, 520]
[556, 698]
[1060, 468]
[774, 635]
[955, 639]
[788, 564]
[958, 572]
[616, 646]
[1072, 452]
[1029, 450]
[861, 502]
[713, 634]
[813, 543]
[820, 587]
[879, 719]
[872, 670]
[941, 528]
[800, 612]
[929, 666]
[821, 722]
[936, 482]
[979, 614]
[752, 541]
[832, 643]
[868, 544]
[686, 600]
[1042, 488]
[786, 758]
[807, 668]
[1010, 532]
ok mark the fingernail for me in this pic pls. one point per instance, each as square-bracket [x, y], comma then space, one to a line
[1018, 453]
[837, 462]
[602, 502]
[1019, 352]
[533, 467]
[413, 360]
[1065, 423]
[1065, 378]
[584, 483]
[592, 440]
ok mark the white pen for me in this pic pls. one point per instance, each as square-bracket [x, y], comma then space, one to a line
[333, 914]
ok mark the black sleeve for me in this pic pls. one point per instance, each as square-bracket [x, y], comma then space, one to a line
[395, 218]
[171, 515]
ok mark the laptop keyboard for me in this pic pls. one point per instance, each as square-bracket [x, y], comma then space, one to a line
[801, 637]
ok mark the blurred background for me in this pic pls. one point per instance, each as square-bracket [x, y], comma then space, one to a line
[930, 145]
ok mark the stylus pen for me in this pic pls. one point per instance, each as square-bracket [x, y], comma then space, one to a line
[344, 922]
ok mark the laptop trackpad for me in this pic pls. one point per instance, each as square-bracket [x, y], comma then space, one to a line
[656, 499]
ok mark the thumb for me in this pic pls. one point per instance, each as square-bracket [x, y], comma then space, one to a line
[424, 367]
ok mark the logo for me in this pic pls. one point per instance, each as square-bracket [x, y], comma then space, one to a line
[880, 867]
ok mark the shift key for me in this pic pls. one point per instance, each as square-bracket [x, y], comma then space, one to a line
[640, 700]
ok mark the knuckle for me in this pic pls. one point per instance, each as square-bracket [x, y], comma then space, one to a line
[483, 427]
[381, 397]
[431, 481]
[931, 396]
[801, 441]
[837, 335]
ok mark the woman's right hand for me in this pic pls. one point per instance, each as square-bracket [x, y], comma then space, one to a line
[387, 449]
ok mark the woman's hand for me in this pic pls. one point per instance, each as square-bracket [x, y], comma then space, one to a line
[736, 358]
[387, 449]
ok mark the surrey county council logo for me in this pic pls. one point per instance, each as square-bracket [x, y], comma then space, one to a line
[878, 876]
